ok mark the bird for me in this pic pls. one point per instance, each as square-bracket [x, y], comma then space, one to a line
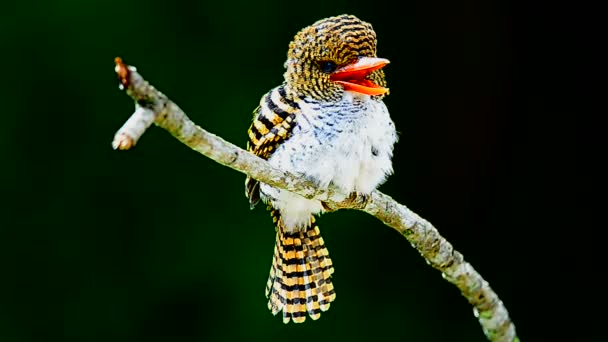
[327, 123]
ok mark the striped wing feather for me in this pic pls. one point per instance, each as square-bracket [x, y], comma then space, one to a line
[272, 125]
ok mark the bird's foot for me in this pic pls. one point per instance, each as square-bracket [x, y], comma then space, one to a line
[355, 200]
[358, 200]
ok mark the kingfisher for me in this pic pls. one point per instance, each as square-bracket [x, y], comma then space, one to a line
[326, 123]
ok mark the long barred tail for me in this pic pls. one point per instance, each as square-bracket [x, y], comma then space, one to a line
[300, 276]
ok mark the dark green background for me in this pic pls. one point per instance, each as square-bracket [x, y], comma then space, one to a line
[158, 243]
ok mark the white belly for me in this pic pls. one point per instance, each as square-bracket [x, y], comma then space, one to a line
[349, 144]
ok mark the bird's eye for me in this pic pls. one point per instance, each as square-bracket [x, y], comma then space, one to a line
[328, 66]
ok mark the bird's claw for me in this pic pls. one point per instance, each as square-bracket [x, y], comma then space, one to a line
[358, 200]
[355, 200]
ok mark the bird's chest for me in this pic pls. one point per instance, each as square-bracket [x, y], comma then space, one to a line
[349, 144]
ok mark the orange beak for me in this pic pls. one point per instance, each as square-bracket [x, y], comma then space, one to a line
[353, 77]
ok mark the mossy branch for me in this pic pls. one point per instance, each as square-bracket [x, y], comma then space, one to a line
[154, 107]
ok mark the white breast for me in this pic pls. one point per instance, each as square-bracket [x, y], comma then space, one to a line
[349, 144]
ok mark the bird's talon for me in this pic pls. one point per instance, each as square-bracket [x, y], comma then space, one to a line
[360, 200]
[325, 206]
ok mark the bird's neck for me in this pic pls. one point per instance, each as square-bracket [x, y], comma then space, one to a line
[289, 93]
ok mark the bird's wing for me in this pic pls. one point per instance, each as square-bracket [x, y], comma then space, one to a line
[272, 125]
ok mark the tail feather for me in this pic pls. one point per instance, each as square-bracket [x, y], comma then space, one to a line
[322, 268]
[273, 288]
[300, 276]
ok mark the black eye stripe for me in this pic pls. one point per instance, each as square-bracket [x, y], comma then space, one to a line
[328, 66]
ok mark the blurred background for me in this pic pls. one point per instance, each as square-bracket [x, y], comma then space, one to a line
[158, 243]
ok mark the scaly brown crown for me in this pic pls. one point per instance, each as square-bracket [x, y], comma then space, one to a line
[333, 55]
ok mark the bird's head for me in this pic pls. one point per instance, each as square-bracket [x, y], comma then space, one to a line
[335, 55]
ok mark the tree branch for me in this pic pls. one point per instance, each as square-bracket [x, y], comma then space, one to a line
[154, 107]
